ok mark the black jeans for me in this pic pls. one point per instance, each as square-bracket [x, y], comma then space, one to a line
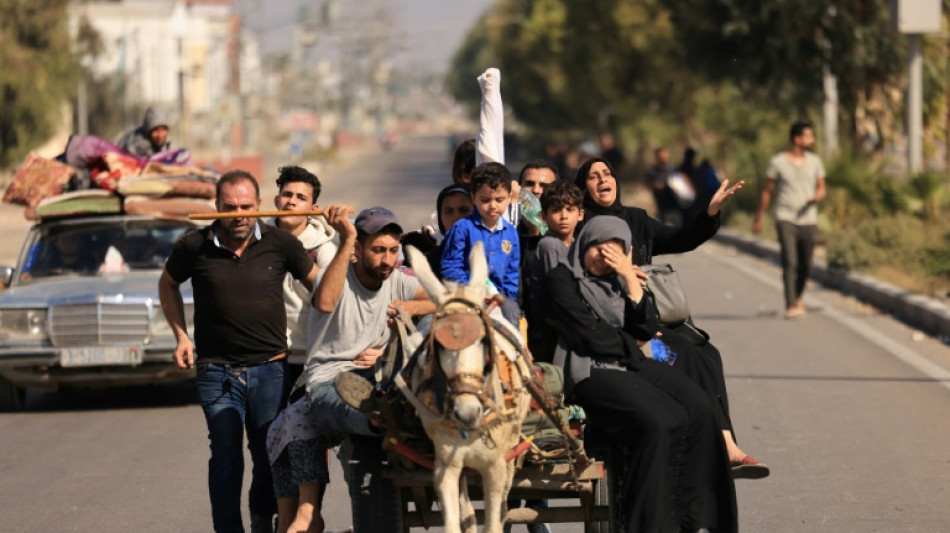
[797, 244]
[677, 475]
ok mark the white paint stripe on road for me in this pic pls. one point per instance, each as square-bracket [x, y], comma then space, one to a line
[898, 350]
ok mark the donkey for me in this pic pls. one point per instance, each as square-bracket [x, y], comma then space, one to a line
[484, 398]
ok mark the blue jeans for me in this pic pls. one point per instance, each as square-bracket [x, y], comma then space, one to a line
[235, 399]
[334, 417]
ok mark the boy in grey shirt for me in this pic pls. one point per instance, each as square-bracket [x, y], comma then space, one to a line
[796, 177]
[561, 208]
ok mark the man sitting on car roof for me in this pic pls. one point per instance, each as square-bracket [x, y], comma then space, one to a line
[148, 139]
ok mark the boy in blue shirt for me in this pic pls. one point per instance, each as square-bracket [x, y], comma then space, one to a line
[491, 193]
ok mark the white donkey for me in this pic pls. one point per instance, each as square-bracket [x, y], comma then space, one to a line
[484, 400]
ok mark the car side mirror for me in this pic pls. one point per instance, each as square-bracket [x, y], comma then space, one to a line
[6, 276]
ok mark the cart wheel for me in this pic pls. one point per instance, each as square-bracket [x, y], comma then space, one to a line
[377, 505]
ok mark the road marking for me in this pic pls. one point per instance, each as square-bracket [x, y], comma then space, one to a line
[898, 350]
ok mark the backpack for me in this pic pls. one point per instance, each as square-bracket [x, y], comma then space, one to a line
[546, 433]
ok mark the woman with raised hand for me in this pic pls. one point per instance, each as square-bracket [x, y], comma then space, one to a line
[677, 475]
[697, 357]
[602, 197]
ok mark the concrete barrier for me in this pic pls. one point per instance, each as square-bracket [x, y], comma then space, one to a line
[919, 311]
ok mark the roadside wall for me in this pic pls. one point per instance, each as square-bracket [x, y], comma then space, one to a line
[921, 312]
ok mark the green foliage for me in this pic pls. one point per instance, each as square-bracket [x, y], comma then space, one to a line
[891, 196]
[771, 45]
[716, 74]
[727, 77]
[929, 190]
[937, 259]
[859, 189]
[37, 73]
[783, 47]
[903, 248]
[469, 61]
[898, 240]
[853, 188]
[575, 65]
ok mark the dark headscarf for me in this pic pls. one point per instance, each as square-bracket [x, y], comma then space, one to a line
[443, 194]
[606, 295]
[637, 220]
[591, 207]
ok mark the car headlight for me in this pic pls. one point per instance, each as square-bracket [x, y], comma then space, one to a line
[22, 324]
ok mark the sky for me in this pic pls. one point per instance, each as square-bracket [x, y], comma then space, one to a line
[432, 29]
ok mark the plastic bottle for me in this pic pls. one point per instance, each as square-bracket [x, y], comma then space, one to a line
[662, 352]
[531, 209]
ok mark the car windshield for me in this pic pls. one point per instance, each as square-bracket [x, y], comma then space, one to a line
[97, 247]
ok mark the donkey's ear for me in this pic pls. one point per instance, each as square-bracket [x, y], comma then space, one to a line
[420, 266]
[479, 265]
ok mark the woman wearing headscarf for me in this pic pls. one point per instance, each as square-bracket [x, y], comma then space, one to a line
[453, 203]
[676, 476]
[697, 357]
[602, 197]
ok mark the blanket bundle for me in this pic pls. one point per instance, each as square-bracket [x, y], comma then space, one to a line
[165, 180]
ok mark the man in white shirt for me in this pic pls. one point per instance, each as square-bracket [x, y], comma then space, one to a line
[796, 177]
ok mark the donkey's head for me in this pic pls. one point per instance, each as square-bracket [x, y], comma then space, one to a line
[458, 335]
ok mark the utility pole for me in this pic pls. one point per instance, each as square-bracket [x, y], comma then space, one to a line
[915, 104]
[915, 18]
[82, 106]
[830, 85]
[181, 90]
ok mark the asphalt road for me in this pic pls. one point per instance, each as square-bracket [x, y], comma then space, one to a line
[848, 407]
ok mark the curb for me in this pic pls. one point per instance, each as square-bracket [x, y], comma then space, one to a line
[916, 310]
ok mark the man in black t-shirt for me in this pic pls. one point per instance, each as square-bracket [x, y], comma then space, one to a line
[237, 268]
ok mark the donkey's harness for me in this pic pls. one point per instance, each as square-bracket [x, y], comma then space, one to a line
[454, 328]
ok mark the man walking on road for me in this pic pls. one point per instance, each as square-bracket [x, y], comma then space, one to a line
[237, 268]
[796, 177]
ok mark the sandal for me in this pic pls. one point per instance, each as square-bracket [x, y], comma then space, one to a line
[794, 313]
[750, 468]
[356, 391]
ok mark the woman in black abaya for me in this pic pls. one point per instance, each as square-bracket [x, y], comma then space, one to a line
[697, 357]
[677, 476]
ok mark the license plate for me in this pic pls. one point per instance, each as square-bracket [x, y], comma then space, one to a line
[100, 355]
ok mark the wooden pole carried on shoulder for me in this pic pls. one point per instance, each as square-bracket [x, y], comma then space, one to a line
[254, 214]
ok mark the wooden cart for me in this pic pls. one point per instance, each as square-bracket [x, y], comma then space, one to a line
[575, 495]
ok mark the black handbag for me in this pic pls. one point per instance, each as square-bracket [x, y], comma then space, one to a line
[666, 291]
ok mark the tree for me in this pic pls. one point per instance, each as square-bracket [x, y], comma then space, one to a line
[37, 73]
[725, 76]
[570, 65]
[783, 47]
